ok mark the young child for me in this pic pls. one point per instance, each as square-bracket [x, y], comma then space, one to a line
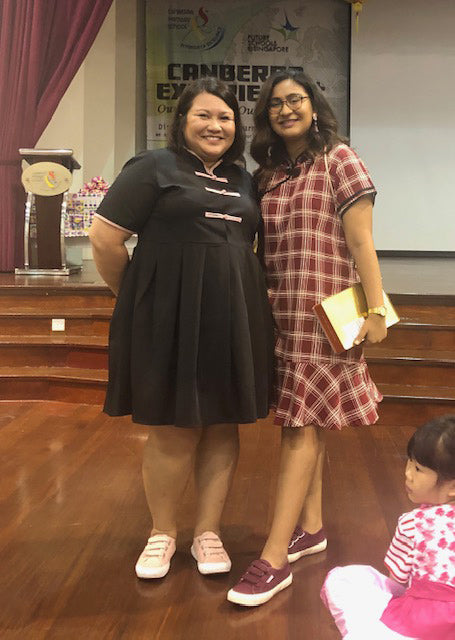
[418, 600]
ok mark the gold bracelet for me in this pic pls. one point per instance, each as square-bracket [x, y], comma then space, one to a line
[379, 311]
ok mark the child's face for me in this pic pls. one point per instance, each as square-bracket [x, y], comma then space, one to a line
[422, 485]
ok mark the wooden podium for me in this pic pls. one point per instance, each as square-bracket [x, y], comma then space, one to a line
[46, 181]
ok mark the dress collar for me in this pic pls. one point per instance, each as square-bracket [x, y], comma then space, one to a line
[301, 159]
[209, 171]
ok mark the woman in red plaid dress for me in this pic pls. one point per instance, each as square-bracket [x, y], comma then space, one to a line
[317, 201]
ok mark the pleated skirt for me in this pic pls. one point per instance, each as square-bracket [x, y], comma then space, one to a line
[191, 337]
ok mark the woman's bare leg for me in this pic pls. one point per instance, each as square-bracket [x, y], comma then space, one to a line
[216, 460]
[311, 516]
[168, 459]
[300, 449]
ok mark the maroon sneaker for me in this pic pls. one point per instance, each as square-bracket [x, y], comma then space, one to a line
[305, 544]
[260, 583]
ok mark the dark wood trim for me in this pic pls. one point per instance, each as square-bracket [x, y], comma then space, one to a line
[422, 299]
[395, 253]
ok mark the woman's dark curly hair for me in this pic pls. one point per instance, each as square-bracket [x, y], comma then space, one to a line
[433, 446]
[176, 138]
[267, 148]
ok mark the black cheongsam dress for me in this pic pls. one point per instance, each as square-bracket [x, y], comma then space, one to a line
[191, 336]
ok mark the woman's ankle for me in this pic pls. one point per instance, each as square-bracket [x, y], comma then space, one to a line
[199, 530]
[171, 532]
[311, 526]
[277, 556]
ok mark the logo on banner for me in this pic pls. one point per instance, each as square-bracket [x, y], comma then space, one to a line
[202, 28]
[287, 30]
[264, 43]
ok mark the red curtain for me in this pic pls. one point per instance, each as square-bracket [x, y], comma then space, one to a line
[42, 45]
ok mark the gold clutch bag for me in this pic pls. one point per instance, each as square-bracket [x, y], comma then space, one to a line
[342, 316]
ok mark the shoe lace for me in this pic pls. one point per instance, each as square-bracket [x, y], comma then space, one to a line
[254, 573]
[296, 536]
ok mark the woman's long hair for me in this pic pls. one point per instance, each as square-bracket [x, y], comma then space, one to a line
[267, 148]
[176, 137]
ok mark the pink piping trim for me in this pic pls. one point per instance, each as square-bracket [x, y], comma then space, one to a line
[117, 226]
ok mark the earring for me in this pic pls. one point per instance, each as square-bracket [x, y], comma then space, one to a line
[269, 151]
[315, 123]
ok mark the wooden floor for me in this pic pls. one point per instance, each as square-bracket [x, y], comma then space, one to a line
[74, 520]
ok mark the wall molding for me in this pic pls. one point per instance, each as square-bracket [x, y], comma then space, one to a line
[396, 253]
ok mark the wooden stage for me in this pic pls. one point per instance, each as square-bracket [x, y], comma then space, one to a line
[401, 275]
[72, 508]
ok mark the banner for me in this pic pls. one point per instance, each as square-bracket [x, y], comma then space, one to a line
[243, 42]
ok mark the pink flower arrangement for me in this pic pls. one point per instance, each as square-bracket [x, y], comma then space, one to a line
[96, 185]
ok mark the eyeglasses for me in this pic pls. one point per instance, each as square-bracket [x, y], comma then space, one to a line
[293, 101]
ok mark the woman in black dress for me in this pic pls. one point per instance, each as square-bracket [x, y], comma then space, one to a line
[191, 338]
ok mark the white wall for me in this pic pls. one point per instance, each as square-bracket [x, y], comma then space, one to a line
[403, 119]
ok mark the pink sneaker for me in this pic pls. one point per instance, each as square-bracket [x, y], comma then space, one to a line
[210, 555]
[155, 560]
[305, 544]
[260, 583]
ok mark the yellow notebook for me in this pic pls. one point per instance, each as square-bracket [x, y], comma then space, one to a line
[342, 316]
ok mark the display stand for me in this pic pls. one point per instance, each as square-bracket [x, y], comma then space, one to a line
[47, 181]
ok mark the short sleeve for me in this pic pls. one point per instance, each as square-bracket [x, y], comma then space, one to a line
[351, 179]
[132, 197]
[399, 556]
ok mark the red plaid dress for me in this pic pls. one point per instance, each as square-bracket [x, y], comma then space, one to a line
[307, 259]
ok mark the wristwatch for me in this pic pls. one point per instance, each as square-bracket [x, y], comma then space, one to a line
[380, 311]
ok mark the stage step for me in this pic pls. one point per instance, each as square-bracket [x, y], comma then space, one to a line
[411, 333]
[38, 362]
[21, 299]
[77, 321]
[425, 310]
[414, 405]
[411, 366]
[67, 384]
[414, 367]
[87, 352]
